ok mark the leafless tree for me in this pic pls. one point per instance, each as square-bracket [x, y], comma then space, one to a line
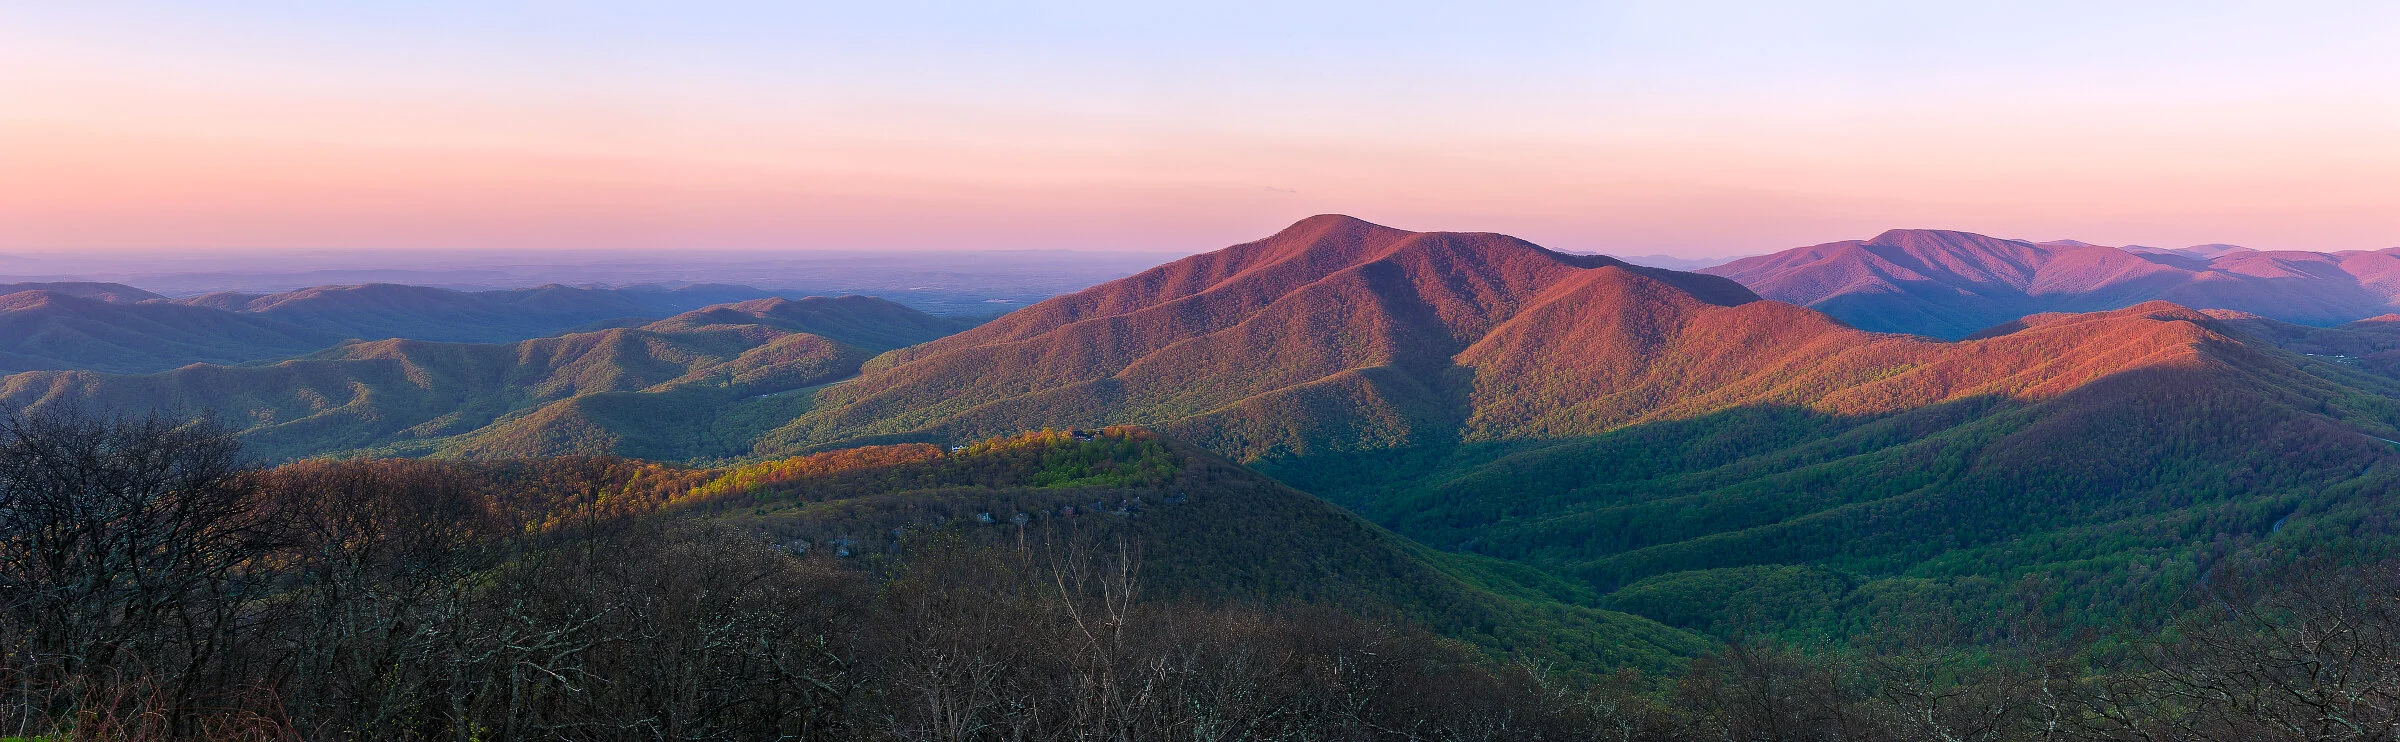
[2301, 651]
[129, 547]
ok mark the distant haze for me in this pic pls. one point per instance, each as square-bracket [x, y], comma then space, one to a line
[1673, 262]
[1675, 128]
[982, 282]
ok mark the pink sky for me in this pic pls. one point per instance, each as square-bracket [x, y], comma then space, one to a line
[170, 129]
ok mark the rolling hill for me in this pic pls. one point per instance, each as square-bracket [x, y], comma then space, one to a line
[1950, 284]
[109, 292]
[383, 310]
[426, 397]
[64, 327]
[1641, 429]
[115, 328]
[1207, 529]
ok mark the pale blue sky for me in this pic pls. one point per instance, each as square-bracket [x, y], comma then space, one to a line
[1691, 127]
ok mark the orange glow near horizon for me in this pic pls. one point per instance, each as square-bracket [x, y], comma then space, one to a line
[133, 153]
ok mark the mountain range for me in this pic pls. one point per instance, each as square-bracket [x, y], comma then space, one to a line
[1951, 284]
[1727, 452]
[1653, 433]
[382, 310]
[82, 327]
[122, 329]
[417, 396]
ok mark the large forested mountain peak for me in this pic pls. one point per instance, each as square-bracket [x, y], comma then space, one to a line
[1331, 311]
[1461, 281]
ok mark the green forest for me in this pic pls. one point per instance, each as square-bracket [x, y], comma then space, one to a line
[1057, 584]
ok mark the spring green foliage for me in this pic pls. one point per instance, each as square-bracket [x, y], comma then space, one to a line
[1116, 458]
[2099, 504]
[1209, 530]
[417, 599]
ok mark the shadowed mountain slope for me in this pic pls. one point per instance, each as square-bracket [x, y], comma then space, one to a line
[51, 328]
[1950, 284]
[2109, 457]
[382, 310]
[418, 396]
[110, 292]
[114, 328]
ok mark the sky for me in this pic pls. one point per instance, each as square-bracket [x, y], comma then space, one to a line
[1690, 128]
